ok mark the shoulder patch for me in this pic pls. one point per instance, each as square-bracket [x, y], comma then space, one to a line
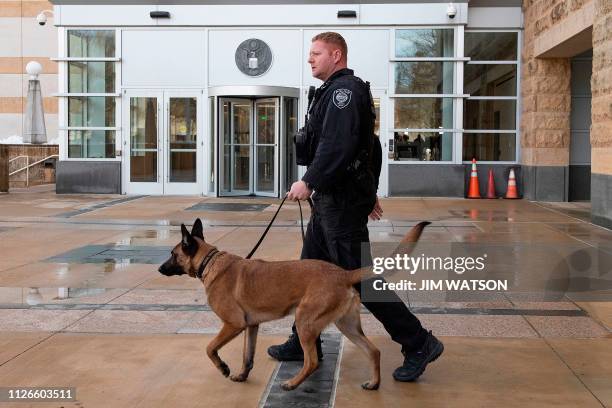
[342, 97]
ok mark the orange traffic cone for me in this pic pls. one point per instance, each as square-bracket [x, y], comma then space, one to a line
[474, 189]
[491, 186]
[512, 192]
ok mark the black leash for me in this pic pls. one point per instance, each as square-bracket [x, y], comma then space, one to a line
[272, 220]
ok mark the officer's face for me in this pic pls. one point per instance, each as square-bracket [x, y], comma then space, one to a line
[324, 59]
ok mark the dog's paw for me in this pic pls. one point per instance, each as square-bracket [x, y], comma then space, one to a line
[287, 386]
[369, 386]
[225, 370]
[238, 378]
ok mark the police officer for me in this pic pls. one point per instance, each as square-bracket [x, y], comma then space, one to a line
[343, 174]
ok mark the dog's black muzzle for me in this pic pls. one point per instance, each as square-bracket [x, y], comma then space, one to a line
[171, 268]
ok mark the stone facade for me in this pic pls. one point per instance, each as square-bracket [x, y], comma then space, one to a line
[23, 40]
[556, 28]
[552, 27]
[601, 88]
[546, 93]
[545, 101]
[40, 173]
[601, 115]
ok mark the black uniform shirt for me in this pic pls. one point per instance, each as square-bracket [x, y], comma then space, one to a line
[338, 119]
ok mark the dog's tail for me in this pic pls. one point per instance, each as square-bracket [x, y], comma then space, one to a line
[406, 246]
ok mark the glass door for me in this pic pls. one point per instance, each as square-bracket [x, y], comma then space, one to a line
[248, 155]
[143, 145]
[162, 145]
[266, 147]
[235, 156]
[181, 157]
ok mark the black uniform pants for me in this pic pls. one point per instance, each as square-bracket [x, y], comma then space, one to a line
[336, 232]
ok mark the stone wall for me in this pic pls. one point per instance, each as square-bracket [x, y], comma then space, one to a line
[601, 115]
[38, 174]
[545, 101]
[23, 40]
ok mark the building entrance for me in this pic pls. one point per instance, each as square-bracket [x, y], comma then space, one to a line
[249, 134]
[162, 143]
[252, 153]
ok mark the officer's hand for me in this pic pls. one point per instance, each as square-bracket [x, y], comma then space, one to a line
[299, 191]
[377, 211]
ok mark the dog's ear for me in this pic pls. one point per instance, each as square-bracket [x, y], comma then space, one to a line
[197, 230]
[186, 239]
[190, 246]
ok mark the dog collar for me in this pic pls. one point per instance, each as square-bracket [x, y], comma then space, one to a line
[205, 262]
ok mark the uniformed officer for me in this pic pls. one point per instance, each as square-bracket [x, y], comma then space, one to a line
[344, 177]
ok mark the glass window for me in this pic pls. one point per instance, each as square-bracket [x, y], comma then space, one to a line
[490, 80]
[91, 43]
[489, 146]
[94, 111]
[491, 46]
[91, 77]
[490, 114]
[422, 146]
[183, 123]
[424, 77]
[423, 113]
[421, 43]
[91, 144]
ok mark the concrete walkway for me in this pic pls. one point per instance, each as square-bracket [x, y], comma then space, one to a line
[82, 305]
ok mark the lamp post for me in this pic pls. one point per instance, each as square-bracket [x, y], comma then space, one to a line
[34, 127]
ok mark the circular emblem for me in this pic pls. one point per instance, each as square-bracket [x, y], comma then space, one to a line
[342, 97]
[253, 57]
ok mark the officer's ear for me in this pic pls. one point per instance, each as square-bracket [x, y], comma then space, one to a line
[337, 55]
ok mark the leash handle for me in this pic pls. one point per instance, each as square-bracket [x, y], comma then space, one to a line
[272, 221]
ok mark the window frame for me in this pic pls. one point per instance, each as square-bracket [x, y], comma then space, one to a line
[63, 61]
[456, 97]
[516, 98]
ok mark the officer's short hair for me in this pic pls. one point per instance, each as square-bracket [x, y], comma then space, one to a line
[331, 37]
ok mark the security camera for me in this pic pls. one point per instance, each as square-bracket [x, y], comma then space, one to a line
[42, 17]
[451, 10]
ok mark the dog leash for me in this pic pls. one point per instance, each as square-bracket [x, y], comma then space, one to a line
[272, 221]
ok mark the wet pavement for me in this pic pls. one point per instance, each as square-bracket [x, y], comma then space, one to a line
[82, 305]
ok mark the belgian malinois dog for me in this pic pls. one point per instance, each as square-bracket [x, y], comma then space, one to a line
[247, 292]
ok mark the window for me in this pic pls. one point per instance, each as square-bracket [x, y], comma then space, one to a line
[91, 94]
[424, 77]
[424, 94]
[490, 112]
[437, 42]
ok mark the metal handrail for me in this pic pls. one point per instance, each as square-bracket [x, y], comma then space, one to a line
[28, 165]
[15, 158]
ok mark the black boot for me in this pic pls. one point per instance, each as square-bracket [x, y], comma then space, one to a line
[291, 350]
[416, 361]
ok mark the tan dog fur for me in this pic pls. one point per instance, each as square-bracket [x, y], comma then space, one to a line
[246, 292]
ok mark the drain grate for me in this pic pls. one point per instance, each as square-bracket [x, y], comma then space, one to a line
[317, 390]
[114, 254]
[227, 207]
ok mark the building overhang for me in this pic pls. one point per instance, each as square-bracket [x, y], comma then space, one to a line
[471, 3]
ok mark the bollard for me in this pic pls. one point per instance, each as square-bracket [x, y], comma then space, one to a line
[4, 168]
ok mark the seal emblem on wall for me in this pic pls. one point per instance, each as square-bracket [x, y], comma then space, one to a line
[250, 50]
[342, 97]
